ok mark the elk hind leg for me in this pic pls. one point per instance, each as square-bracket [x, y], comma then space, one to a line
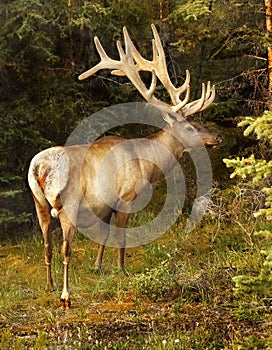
[68, 230]
[45, 221]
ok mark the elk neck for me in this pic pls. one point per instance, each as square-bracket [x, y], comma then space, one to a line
[165, 154]
[165, 139]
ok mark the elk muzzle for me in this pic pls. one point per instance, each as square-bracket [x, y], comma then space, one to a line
[214, 141]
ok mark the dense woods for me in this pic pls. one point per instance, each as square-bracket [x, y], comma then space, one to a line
[44, 46]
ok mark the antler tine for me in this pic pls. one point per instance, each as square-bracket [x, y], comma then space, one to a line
[182, 103]
[132, 54]
[132, 71]
[157, 65]
[162, 73]
[209, 98]
[208, 90]
[106, 61]
[142, 64]
[195, 106]
[185, 85]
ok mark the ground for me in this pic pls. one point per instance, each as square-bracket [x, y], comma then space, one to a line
[177, 294]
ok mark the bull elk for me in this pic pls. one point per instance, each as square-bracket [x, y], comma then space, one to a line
[61, 189]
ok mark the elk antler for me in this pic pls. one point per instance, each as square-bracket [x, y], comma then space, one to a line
[131, 63]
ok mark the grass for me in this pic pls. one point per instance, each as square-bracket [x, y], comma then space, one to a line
[178, 294]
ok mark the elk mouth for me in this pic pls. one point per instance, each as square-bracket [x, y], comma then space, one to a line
[218, 140]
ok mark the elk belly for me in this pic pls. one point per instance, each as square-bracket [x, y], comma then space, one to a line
[88, 216]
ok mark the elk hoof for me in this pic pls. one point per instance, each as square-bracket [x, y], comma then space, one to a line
[98, 270]
[66, 304]
[50, 289]
[126, 272]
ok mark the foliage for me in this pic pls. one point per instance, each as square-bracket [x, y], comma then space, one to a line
[158, 282]
[170, 277]
[40, 97]
[191, 10]
[257, 170]
[44, 46]
[11, 192]
[260, 126]
[229, 50]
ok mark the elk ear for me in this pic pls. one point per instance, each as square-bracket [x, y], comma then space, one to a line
[167, 117]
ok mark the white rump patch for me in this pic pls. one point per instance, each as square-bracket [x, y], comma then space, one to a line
[54, 213]
[57, 162]
[52, 165]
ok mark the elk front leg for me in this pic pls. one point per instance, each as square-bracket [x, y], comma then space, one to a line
[104, 235]
[121, 222]
[68, 234]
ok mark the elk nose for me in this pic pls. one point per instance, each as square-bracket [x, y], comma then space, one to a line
[219, 138]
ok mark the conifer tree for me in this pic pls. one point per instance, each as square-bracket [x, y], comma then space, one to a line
[257, 170]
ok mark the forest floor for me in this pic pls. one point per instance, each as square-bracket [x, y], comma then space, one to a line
[178, 293]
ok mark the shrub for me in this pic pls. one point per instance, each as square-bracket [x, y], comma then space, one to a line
[258, 171]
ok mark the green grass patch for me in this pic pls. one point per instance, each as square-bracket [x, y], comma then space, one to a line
[177, 294]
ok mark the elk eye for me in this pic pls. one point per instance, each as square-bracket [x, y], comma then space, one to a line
[190, 128]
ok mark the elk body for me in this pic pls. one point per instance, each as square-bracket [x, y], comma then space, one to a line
[78, 196]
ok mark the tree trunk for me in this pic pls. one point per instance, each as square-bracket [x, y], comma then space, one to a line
[268, 12]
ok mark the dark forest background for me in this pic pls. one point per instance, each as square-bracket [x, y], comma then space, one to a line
[45, 45]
